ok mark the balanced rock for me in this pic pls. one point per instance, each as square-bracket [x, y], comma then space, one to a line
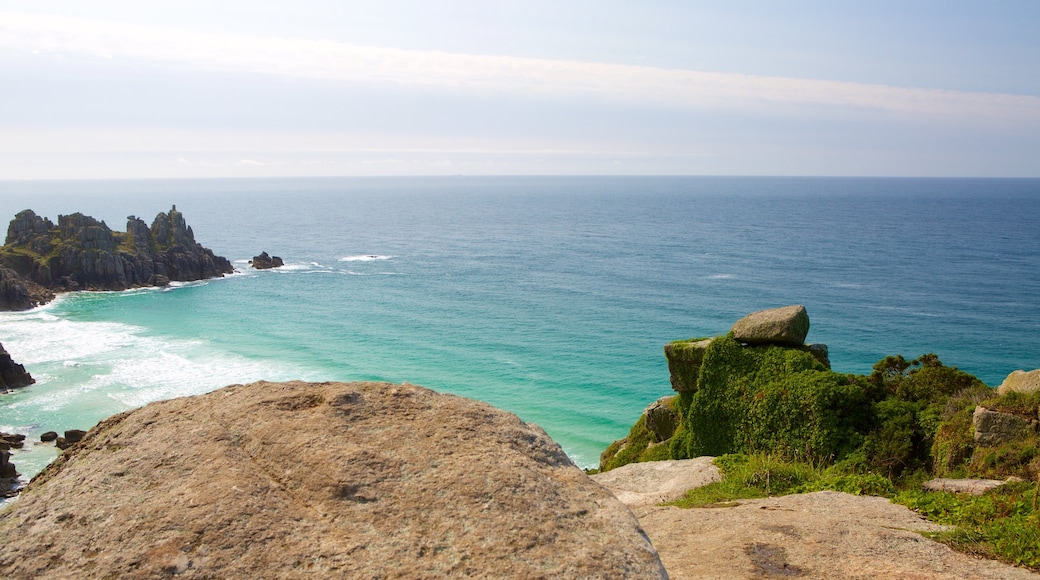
[266, 262]
[1020, 382]
[12, 374]
[785, 326]
[303, 480]
[995, 428]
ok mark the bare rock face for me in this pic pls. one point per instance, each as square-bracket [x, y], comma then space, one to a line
[1020, 382]
[995, 428]
[13, 293]
[661, 419]
[12, 374]
[290, 480]
[787, 326]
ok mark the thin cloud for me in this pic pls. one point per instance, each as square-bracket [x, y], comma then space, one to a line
[76, 39]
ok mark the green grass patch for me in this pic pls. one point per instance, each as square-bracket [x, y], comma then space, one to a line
[1002, 524]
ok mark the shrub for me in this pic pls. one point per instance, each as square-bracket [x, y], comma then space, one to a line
[770, 398]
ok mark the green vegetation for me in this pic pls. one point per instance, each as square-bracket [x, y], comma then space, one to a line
[639, 446]
[770, 398]
[780, 422]
[1002, 524]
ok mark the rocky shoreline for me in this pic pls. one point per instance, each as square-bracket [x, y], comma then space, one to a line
[40, 258]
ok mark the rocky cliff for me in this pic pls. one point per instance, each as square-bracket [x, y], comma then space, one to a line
[81, 253]
[287, 480]
[12, 374]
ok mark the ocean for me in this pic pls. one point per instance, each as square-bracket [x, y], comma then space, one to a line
[550, 297]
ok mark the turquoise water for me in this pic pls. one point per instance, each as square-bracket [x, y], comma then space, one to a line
[548, 297]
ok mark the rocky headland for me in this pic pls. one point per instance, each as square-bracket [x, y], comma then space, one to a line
[287, 480]
[39, 258]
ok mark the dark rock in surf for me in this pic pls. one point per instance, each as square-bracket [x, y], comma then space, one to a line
[12, 374]
[266, 262]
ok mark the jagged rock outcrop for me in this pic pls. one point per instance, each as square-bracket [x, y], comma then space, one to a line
[12, 374]
[81, 253]
[8, 474]
[787, 326]
[1020, 382]
[266, 262]
[995, 428]
[294, 480]
[13, 293]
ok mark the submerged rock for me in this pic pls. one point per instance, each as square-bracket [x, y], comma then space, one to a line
[287, 480]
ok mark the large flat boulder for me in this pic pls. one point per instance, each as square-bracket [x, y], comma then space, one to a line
[1020, 382]
[653, 482]
[786, 326]
[293, 480]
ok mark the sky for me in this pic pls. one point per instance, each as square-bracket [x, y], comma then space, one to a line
[190, 89]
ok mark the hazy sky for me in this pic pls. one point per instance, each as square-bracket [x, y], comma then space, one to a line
[185, 88]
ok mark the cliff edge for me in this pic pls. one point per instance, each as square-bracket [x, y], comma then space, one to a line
[287, 480]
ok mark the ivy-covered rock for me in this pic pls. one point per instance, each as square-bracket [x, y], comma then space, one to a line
[770, 398]
[684, 362]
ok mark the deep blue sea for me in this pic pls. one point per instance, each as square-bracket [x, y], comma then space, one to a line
[548, 297]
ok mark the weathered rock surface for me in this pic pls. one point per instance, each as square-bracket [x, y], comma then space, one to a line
[81, 253]
[825, 535]
[968, 486]
[13, 293]
[661, 420]
[1020, 382]
[995, 428]
[266, 262]
[12, 374]
[653, 482]
[684, 362]
[287, 480]
[786, 326]
[12, 440]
